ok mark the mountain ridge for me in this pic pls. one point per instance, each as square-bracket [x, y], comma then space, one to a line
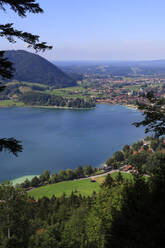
[34, 68]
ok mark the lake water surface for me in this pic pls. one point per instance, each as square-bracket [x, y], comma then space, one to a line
[57, 139]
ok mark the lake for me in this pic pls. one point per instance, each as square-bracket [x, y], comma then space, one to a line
[56, 139]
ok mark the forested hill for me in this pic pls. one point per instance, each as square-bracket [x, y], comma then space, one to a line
[31, 67]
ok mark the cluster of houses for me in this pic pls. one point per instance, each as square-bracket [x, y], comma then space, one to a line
[125, 168]
[115, 91]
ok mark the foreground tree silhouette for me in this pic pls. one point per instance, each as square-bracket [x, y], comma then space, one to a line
[21, 7]
[154, 115]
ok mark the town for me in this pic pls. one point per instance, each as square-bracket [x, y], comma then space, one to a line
[120, 90]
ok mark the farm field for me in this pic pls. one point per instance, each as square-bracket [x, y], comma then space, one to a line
[126, 176]
[10, 103]
[83, 187]
[70, 92]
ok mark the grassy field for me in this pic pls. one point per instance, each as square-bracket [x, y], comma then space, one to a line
[98, 172]
[127, 176]
[83, 187]
[68, 92]
[27, 83]
[72, 92]
[10, 103]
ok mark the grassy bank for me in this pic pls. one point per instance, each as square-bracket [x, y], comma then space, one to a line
[83, 187]
[22, 179]
[11, 103]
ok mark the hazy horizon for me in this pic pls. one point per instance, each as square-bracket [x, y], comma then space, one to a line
[100, 30]
[88, 60]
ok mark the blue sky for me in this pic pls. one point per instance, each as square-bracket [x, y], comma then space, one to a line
[96, 29]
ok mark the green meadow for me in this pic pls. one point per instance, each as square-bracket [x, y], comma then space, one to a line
[10, 103]
[126, 176]
[84, 187]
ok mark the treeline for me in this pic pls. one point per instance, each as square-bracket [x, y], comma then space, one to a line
[143, 155]
[14, 89]
[36, 98]
[124, 214]
[63, 175]
[33, 95]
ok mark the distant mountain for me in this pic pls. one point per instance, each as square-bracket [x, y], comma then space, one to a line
[31, 67]
[114, 68]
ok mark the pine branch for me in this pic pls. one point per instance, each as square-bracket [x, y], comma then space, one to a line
[10, 34]
[11, 144]
[21, 6]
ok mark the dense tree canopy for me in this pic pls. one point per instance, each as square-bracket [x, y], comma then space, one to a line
[118, 156]
[125, 213]
[154, 115]
[14, 224]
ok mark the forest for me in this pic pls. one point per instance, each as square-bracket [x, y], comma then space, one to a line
[120, 215]
[124, 214]
[40, 99]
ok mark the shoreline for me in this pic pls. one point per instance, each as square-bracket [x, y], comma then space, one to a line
[51, 107]
[131, 106]
[57, 107]
[42, 106]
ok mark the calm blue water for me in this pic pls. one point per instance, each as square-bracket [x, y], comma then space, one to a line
[57, 139]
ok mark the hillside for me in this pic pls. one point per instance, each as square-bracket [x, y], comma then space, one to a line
[31, 67]
[83, 187]
[115, 68]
